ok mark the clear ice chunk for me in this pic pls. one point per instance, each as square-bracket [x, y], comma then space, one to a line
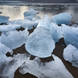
[50, 69]
[40, 43]
[30, 14]
[62, 18]
[14, 39]
[4, 19]
[13, 65]
[71, 54]
[70, 35]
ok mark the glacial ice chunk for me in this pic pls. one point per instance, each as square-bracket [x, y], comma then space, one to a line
[56, 32]
[13, 65]
[62, 18]
[25, 23]
[40, 43]
[54, 29]
[3, 58]
[4, 49]
[70, 35]
[48, 70]
[10, 27]
[4, 19]
[14, 39]
[71, 54]
[30, 14]
[45, 22]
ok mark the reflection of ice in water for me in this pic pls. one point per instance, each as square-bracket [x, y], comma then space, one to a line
[16, 12]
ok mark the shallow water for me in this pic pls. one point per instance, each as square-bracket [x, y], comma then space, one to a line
[16, 12]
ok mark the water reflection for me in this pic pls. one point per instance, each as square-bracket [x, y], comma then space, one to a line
[16, 12]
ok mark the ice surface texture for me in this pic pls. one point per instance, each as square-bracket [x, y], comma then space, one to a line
[25, 23]
[70, 35]
[14, 39]
[15, 62]
[71, 54]
[45, 70]
[30, 14]
[56, 32]
[10, 27]
[3, 50]
[40, 42]
[4, 19]
[62, 18]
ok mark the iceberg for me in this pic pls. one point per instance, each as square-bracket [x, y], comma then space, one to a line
[50, 69]
[71, 54]
[14, 39]
[62, 18]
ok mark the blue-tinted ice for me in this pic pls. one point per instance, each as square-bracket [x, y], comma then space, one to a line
[62, 18]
